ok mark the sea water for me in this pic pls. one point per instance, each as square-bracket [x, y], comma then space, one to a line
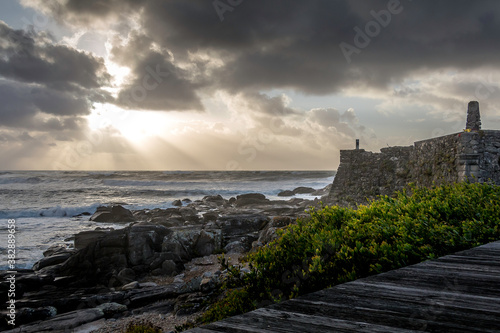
[45, 204]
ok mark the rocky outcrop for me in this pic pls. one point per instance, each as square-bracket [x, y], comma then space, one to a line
[110, 273]
[112, 214]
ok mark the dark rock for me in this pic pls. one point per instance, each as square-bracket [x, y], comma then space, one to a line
[57, 249]
[143, 242]
[177, 203]
[50, 261]
[208, 242]
[281, 221]
[29, 315]
[126, 275]
[190, 303]
[144, 296]
[112, 214]
[286, 193]
[213, 200]
[84, 238]
[189, 214]
[169, 268]
[210, 216]
[251, 199]
[323, 191]
[65, 322]
[111, 309]
[235, 247]
[303, 190]
[130, 285]
[82, 214]
[235, 226]
[186, 200]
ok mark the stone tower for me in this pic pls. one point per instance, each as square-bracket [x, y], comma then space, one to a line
[473, 117]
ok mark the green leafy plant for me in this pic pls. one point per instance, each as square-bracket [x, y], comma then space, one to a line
[336, 244]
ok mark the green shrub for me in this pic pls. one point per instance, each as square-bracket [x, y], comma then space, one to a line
[336, 245]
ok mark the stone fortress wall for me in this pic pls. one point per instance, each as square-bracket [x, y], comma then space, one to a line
[472, 155]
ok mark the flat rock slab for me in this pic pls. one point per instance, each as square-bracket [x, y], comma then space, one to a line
[63, 322]
[455, 293]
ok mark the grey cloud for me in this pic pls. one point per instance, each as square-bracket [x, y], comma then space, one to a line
[295, 44]
[276, 106]
[36, 108]
[30, 57]
[156, 82]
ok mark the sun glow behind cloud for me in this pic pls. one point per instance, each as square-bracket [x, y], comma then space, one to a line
[134, 126]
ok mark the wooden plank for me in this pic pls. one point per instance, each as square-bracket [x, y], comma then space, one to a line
[455, 293]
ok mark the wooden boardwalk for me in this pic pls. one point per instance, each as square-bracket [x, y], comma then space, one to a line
[455, 293]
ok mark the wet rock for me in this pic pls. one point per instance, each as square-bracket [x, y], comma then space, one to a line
[57, 249]
[303, 190]
[213, 200]
[177, 203]
[112, 214]
[251, 199]
[286, 193]
[51, 261]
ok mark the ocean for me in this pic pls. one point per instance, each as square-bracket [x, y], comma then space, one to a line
[45, 204]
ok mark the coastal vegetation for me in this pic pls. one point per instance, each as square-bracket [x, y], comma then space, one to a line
[336, 245]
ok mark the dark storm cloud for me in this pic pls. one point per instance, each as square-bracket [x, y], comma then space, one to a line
[47, 87]
[32, 58]
[296, 44]
[21, 103]
[156, 83]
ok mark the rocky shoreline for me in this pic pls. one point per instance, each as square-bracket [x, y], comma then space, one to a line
[161, 266]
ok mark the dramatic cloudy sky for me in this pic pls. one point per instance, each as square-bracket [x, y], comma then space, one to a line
[237, 84]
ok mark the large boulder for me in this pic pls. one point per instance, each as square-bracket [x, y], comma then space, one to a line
[84, 238]
[190, 243]
[251, 199]
[303, 190]
[208, 242]
[143, 242]
[213, 200]
[51, 261]
[286, 193]
[234, 227]
[112, 214]
[108, 258]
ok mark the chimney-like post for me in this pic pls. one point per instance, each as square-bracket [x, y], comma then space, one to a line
[473, 117]
[357, 144]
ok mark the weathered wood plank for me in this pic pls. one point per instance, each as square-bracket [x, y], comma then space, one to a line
[455, 293]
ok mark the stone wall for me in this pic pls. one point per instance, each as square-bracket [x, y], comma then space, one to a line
[362, 175]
